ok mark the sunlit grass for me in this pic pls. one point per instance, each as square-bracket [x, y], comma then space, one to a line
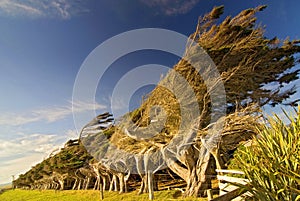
[88, 195]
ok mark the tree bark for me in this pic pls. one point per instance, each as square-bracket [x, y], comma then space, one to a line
[150, 185]
[111, 184]
[144, 185]
[97, 183]
[61, 183]
[199, 180]
[101, 190]
[122, 182]
[115, 182]
[180, 171]
[75, 184]
[104, 182]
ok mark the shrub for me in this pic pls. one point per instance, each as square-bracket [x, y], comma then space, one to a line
[272, 163]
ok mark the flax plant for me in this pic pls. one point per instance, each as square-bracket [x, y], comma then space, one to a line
[272, 163]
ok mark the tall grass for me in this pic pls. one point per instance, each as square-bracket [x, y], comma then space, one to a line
[272, 164]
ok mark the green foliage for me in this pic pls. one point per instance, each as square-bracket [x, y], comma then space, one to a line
[109, 132]
[135, 115]
[272, 164]
[247, 61]
[66, 161]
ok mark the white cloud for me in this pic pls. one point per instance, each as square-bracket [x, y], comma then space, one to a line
[172, 7]
[28, 144]
[19, 154]
[18, 166]
[78, 107]
[13, 7]
[63, 9]
[72, 134]
[119, 104]
[48, 114]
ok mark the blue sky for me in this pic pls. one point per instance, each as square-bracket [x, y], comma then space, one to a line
[43, 44]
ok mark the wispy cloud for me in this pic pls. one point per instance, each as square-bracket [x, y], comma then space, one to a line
[71, 134]
[14, 7]
[19, 154]
[29, 144]
[48, 114]
[18, 166]
[171, 7]
[63, 9]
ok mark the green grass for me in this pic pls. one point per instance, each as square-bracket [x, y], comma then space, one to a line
[89, 195]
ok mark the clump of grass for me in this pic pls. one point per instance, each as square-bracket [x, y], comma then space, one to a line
[272, 164]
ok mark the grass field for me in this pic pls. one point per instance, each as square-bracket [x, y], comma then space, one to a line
[89, 195]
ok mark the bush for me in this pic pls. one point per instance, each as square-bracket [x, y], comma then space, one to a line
[272, 163]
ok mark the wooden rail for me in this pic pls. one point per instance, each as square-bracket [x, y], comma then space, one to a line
[229, 186]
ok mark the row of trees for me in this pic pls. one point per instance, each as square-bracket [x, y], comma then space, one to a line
[73, 168]
[248, 63]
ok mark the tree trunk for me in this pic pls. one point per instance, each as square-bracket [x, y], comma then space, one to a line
[178, 170]
[150, 185]
[115, 182]
[144, 185]
[96, 185]
[122, 182]
[61, 183]
[75, 184]
[104, 182]
[101, 189]
[219, 161]
[199, 179]
[79, 184]
[111, 184]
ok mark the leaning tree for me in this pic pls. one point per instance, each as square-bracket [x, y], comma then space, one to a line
[254, 70]
[248, 62]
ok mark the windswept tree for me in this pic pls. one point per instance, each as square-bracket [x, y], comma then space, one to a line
[248, 63]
